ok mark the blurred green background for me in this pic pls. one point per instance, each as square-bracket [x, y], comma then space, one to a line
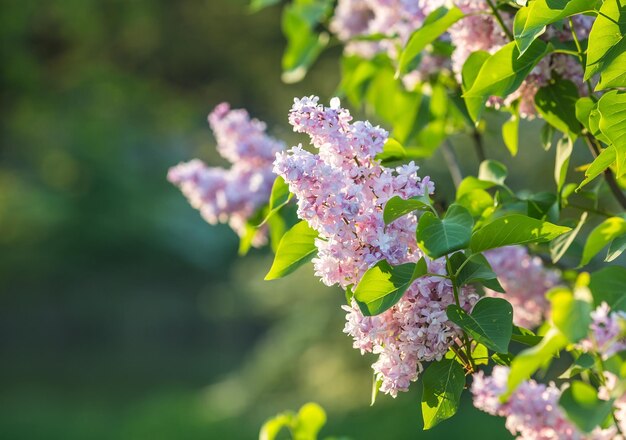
[122, 314]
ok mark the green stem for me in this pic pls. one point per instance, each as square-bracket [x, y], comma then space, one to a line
[580, 53]
[478, 146]
[496, 14]
[451, 161]
[466, 340]
[566, 52]
[461, 356]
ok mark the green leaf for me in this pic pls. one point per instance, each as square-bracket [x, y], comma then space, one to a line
[603, 234]
[582, 406]
[272, 427]
[594, 125]
[571, 313]
[435, 24]
[597, 167]
[560, 245]
[392, 151]
[530, 360]
[490, 323]
[376, 383]
[480, 354]
[477, 269]
[503, 359]
[250, 231]
[277, 226]
[471, 183]
[583, 109]
[476, 201]
[531, 20]
[616, 248]
[542, 205]
[564, 149]
[514, 229]
[606, 47]
[382, 286]
[612, 109]
[547, 136]
[438, 237]
[443, 383]
[609, 285]
[296, 248]
[502, 73]
[556, 103]
[492, 171]
[525, 336]
[310, 420]
[396, 207]
[583, 363]
[279, 197]
[470, 70]
[510, 133]
[304, 44]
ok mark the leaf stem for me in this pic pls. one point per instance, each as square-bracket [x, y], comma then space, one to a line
[496, 14]
[466, 340]
[580, 53]
[609, 177]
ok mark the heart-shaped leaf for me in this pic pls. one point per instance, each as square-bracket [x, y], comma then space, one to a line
[396, 207]
[382, 286]
[295, 248]
[443, 383]
[477, 269]
[490, 323]
[438, 237]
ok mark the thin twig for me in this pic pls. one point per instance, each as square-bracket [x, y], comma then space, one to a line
[451, 161]
[478, 145]
[500, 20]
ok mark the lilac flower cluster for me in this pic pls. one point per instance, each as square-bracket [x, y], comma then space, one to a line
[608, 332]
[341, 191]
[393, 21]
[532, 411]
[525, 281]
[231, 195]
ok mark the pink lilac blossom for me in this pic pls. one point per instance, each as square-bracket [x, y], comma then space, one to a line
[234, 194]
[525, 281]
[341, 191]
[616, 389]
[532, 411]
[608, 332]
[394, 19]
